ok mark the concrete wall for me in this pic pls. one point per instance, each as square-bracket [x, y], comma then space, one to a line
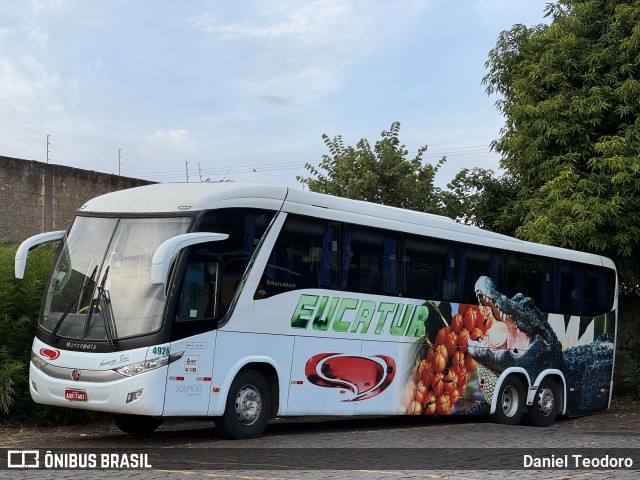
[36, 197]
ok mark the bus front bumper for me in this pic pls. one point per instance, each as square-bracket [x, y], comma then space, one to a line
[100, 391]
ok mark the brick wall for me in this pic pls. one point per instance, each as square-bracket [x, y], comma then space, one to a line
[36, 197]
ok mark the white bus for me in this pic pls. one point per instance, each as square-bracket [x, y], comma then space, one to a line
[246, 302]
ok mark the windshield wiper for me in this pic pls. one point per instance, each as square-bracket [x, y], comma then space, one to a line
[78, 295]
[103, 304]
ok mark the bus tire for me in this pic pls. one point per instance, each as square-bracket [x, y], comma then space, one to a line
[247, 409]
[510, 406]
[544, 410]
[137, 425]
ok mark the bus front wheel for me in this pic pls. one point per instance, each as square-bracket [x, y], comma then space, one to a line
[545, 405]
[137, 424]
[510, 406]
[247, 409]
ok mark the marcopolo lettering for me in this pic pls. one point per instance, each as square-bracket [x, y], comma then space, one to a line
[81, 346]
[359, 316]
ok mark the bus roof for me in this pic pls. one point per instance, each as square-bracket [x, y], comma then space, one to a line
[178, 197]
[188, 197]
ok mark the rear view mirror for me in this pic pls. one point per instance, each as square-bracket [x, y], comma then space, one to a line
[167, 250]
[23, 250]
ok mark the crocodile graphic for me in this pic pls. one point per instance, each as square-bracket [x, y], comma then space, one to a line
[480, 342]
[519, 337]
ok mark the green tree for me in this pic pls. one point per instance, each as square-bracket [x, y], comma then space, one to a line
[570, 94]
[381, 175]
[476, 196]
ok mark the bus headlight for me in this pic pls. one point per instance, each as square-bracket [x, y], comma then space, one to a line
[148, 365]
[37, 361]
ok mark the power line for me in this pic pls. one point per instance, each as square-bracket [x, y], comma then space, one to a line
[256, 167]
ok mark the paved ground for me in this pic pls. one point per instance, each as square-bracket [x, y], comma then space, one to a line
[375, 448]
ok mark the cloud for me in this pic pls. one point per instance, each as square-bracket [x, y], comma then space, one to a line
[276, 100]
[28, 87]
[37, 34]
[301, 51]
[41, 7]
[310, 23]
[177, 140]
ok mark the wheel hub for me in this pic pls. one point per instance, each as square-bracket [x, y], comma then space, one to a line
[546, 402]
[248, 404]
[510, 401]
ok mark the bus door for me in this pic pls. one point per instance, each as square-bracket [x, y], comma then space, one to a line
[322, 374]
[189, 378]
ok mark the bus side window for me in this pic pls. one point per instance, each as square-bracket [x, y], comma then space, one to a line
[568, 288]
[197, 299]
[305, 256]
[473, 263]
[245, 228]
[529, 276]
[369, 260]
[599, 291]
[425, 266]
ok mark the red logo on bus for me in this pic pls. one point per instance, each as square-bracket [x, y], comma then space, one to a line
[364, 376]
[49, 353]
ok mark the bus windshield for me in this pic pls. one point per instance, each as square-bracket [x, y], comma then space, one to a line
[100, 287]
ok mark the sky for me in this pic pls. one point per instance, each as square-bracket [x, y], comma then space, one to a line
[211, 90]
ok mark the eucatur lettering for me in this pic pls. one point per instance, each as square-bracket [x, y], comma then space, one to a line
[342, 314]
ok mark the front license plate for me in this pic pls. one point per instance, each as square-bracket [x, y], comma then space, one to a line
[75, 395]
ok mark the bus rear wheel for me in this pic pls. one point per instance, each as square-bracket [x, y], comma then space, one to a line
[137, 424]
[510, 406]
[247, 409]
[545, 405]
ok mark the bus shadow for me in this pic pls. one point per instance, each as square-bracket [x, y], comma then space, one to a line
[190, 432]
[307, 425]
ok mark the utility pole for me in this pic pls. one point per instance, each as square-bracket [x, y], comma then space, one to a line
[119, 161]
[186, 169]
[48, 148]
[200, 172]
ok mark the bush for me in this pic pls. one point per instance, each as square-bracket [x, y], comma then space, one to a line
[20, 302]
[19, 306]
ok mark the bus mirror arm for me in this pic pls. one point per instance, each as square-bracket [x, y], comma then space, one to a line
[166, 252]
[23, 250]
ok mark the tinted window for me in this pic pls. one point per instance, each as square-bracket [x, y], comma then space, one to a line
[427, 269]
[316, 253]
[474, 262]
[568, 288]
[197, 300]
[600, 291]
[305, 256]
[244, 227]
[214, 270]
[530, 276]
[369, 262]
